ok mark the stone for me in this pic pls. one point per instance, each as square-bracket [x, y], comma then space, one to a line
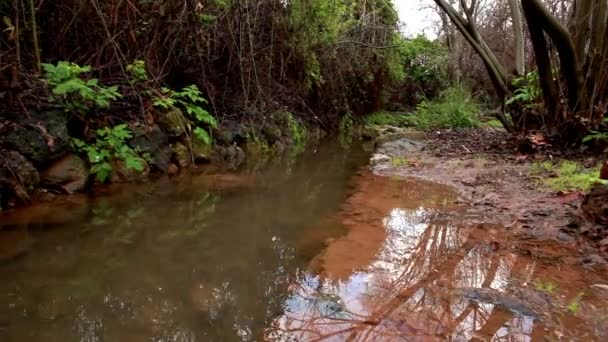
[371, 132]
[122, 174]
[272, 132]
[231, 132]
[201, 152]
[18, 177]
[400, 147]
[153, 141]
[173, 122]
[69, 173]
[42, 138]
[172, 169]
[182, 155]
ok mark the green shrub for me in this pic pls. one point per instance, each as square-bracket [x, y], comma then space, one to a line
[455, 108]
[73, 92]
[190, 100]
[110, 144]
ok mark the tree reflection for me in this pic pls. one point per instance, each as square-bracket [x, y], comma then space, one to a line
[407, 293]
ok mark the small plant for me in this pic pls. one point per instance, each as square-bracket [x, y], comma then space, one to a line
[399, 161]
[347, 130]
[110, 144]
[528, 91]
[575, 305]
[190, 100]
[455, 108]
[73, 92]
[547, 287]
[298, 133]
[137, 71]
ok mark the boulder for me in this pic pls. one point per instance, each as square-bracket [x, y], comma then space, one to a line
[272, 132]
[231, 132]
[400, 147]
[153, 141]
[42, 138]
[18, 177]
[594, 210]
[173, 122]
[69, 173]
[201, 152]
[182, 155]
[122, 174]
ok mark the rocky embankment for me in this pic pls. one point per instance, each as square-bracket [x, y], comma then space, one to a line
[37, 156]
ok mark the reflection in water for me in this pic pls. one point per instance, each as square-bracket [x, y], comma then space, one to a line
[432, 278]
[203, 259]
[296, 252]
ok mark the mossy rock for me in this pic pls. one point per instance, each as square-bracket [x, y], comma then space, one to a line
[201, 152]
[173, 122]
[182, 155]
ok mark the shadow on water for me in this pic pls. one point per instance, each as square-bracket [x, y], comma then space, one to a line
[306, 249]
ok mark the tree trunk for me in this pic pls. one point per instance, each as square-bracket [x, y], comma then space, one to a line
[518, 37]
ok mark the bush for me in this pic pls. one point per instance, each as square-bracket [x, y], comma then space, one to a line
[454, 108]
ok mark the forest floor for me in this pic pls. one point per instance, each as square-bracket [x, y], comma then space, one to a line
[495, 174]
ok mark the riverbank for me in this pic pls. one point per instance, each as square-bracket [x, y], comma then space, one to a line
[501, 183]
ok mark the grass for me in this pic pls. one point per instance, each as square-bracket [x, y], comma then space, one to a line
[454, 108]
[566, 176]
[547, 287]
[387, 119]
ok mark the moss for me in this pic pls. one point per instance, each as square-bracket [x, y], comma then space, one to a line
[566, 176]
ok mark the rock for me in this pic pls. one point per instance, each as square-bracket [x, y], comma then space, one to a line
[594, 209]
[172, 169]
[173, 122]
[69, 173]
[272, 132]
[122, 174]
[18, 177]
[201, 152]
[182, 155]
[41, 139]
[371, 132]
[153, 141]
[231, 132]
[388, 136]
[400, 147]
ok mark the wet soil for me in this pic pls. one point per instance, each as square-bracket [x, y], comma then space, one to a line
[493, 175]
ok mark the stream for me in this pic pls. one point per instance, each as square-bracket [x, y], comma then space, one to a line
[309, 248]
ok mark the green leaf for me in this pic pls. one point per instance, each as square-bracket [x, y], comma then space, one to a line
[202, 135]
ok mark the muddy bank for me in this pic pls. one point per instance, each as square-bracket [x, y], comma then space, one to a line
[495, 179]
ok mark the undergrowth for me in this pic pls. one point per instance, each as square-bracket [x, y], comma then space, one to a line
[566, 176]
[387, 118]
[454, 108]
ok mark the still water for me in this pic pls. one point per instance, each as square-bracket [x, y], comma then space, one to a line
[308, 248]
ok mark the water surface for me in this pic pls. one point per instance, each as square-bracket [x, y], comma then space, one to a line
[308, 248]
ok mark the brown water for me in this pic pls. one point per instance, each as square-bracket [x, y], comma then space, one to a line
[310, 249]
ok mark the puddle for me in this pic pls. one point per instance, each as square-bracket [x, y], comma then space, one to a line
[414, 266]
[308, 249]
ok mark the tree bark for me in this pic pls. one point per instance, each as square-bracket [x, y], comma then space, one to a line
[537, 17]
[518, 37]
